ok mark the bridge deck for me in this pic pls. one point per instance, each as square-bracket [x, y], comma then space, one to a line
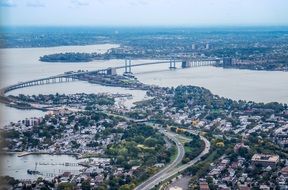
[47, 80]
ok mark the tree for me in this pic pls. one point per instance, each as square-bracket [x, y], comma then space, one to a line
[173, 129]
[127, 187]
[8, 180]
[244, 152]
[150, 142]
[85, 185]
[65, 186]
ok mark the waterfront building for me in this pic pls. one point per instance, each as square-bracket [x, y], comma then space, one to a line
[203, 185]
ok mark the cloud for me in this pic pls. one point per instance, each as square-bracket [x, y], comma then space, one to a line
[80, 2]
[7, 3]
[35, 3]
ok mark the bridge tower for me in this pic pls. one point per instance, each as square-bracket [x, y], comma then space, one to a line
[186, 63]
[172, 64]
[111, 71]
[128, 64]
[227, 62]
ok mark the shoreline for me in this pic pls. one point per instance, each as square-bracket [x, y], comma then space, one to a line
[23, 153]
[5, 100]
[78, 156]
[59, 46]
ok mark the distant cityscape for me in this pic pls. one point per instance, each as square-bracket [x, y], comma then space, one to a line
[250, 48]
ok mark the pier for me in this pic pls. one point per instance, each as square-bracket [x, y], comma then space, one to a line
[58, 164]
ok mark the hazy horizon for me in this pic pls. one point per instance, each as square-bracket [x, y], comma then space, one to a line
[149, 13]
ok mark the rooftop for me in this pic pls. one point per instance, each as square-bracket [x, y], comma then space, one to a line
[265, 158]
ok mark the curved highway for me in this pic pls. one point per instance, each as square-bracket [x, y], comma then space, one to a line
[171, 169]
[155, 179]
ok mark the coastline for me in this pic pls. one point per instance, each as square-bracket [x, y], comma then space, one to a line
[78, 156]
[23, 154]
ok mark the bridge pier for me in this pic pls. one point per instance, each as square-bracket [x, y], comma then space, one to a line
[193, 63]
[130, 66]
[111, 71]
[127, 66]
[172, 64]
[186, 64]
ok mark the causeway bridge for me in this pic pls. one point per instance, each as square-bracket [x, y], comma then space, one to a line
[72, 76]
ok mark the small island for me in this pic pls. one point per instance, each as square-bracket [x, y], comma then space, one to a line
[70, 57]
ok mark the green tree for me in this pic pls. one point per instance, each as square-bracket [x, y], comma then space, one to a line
[65, 186]
[85, 185]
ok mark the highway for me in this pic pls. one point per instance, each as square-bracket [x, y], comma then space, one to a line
[155, 179]
[172, 170]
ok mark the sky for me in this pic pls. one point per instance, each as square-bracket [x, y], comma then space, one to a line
[143, 12]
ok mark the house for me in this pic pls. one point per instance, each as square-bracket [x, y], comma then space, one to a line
[99, 178]
[265, 160]
[284, 171]
[240, 145]
[223, 187]
[264, 187]
[243, 187]
[204, 185]
[159, 165]
[65, 176]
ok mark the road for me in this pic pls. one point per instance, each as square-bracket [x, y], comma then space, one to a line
[152, 181]
[170, 170]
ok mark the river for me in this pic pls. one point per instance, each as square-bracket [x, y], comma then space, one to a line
[258, 86]
[21, 64]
